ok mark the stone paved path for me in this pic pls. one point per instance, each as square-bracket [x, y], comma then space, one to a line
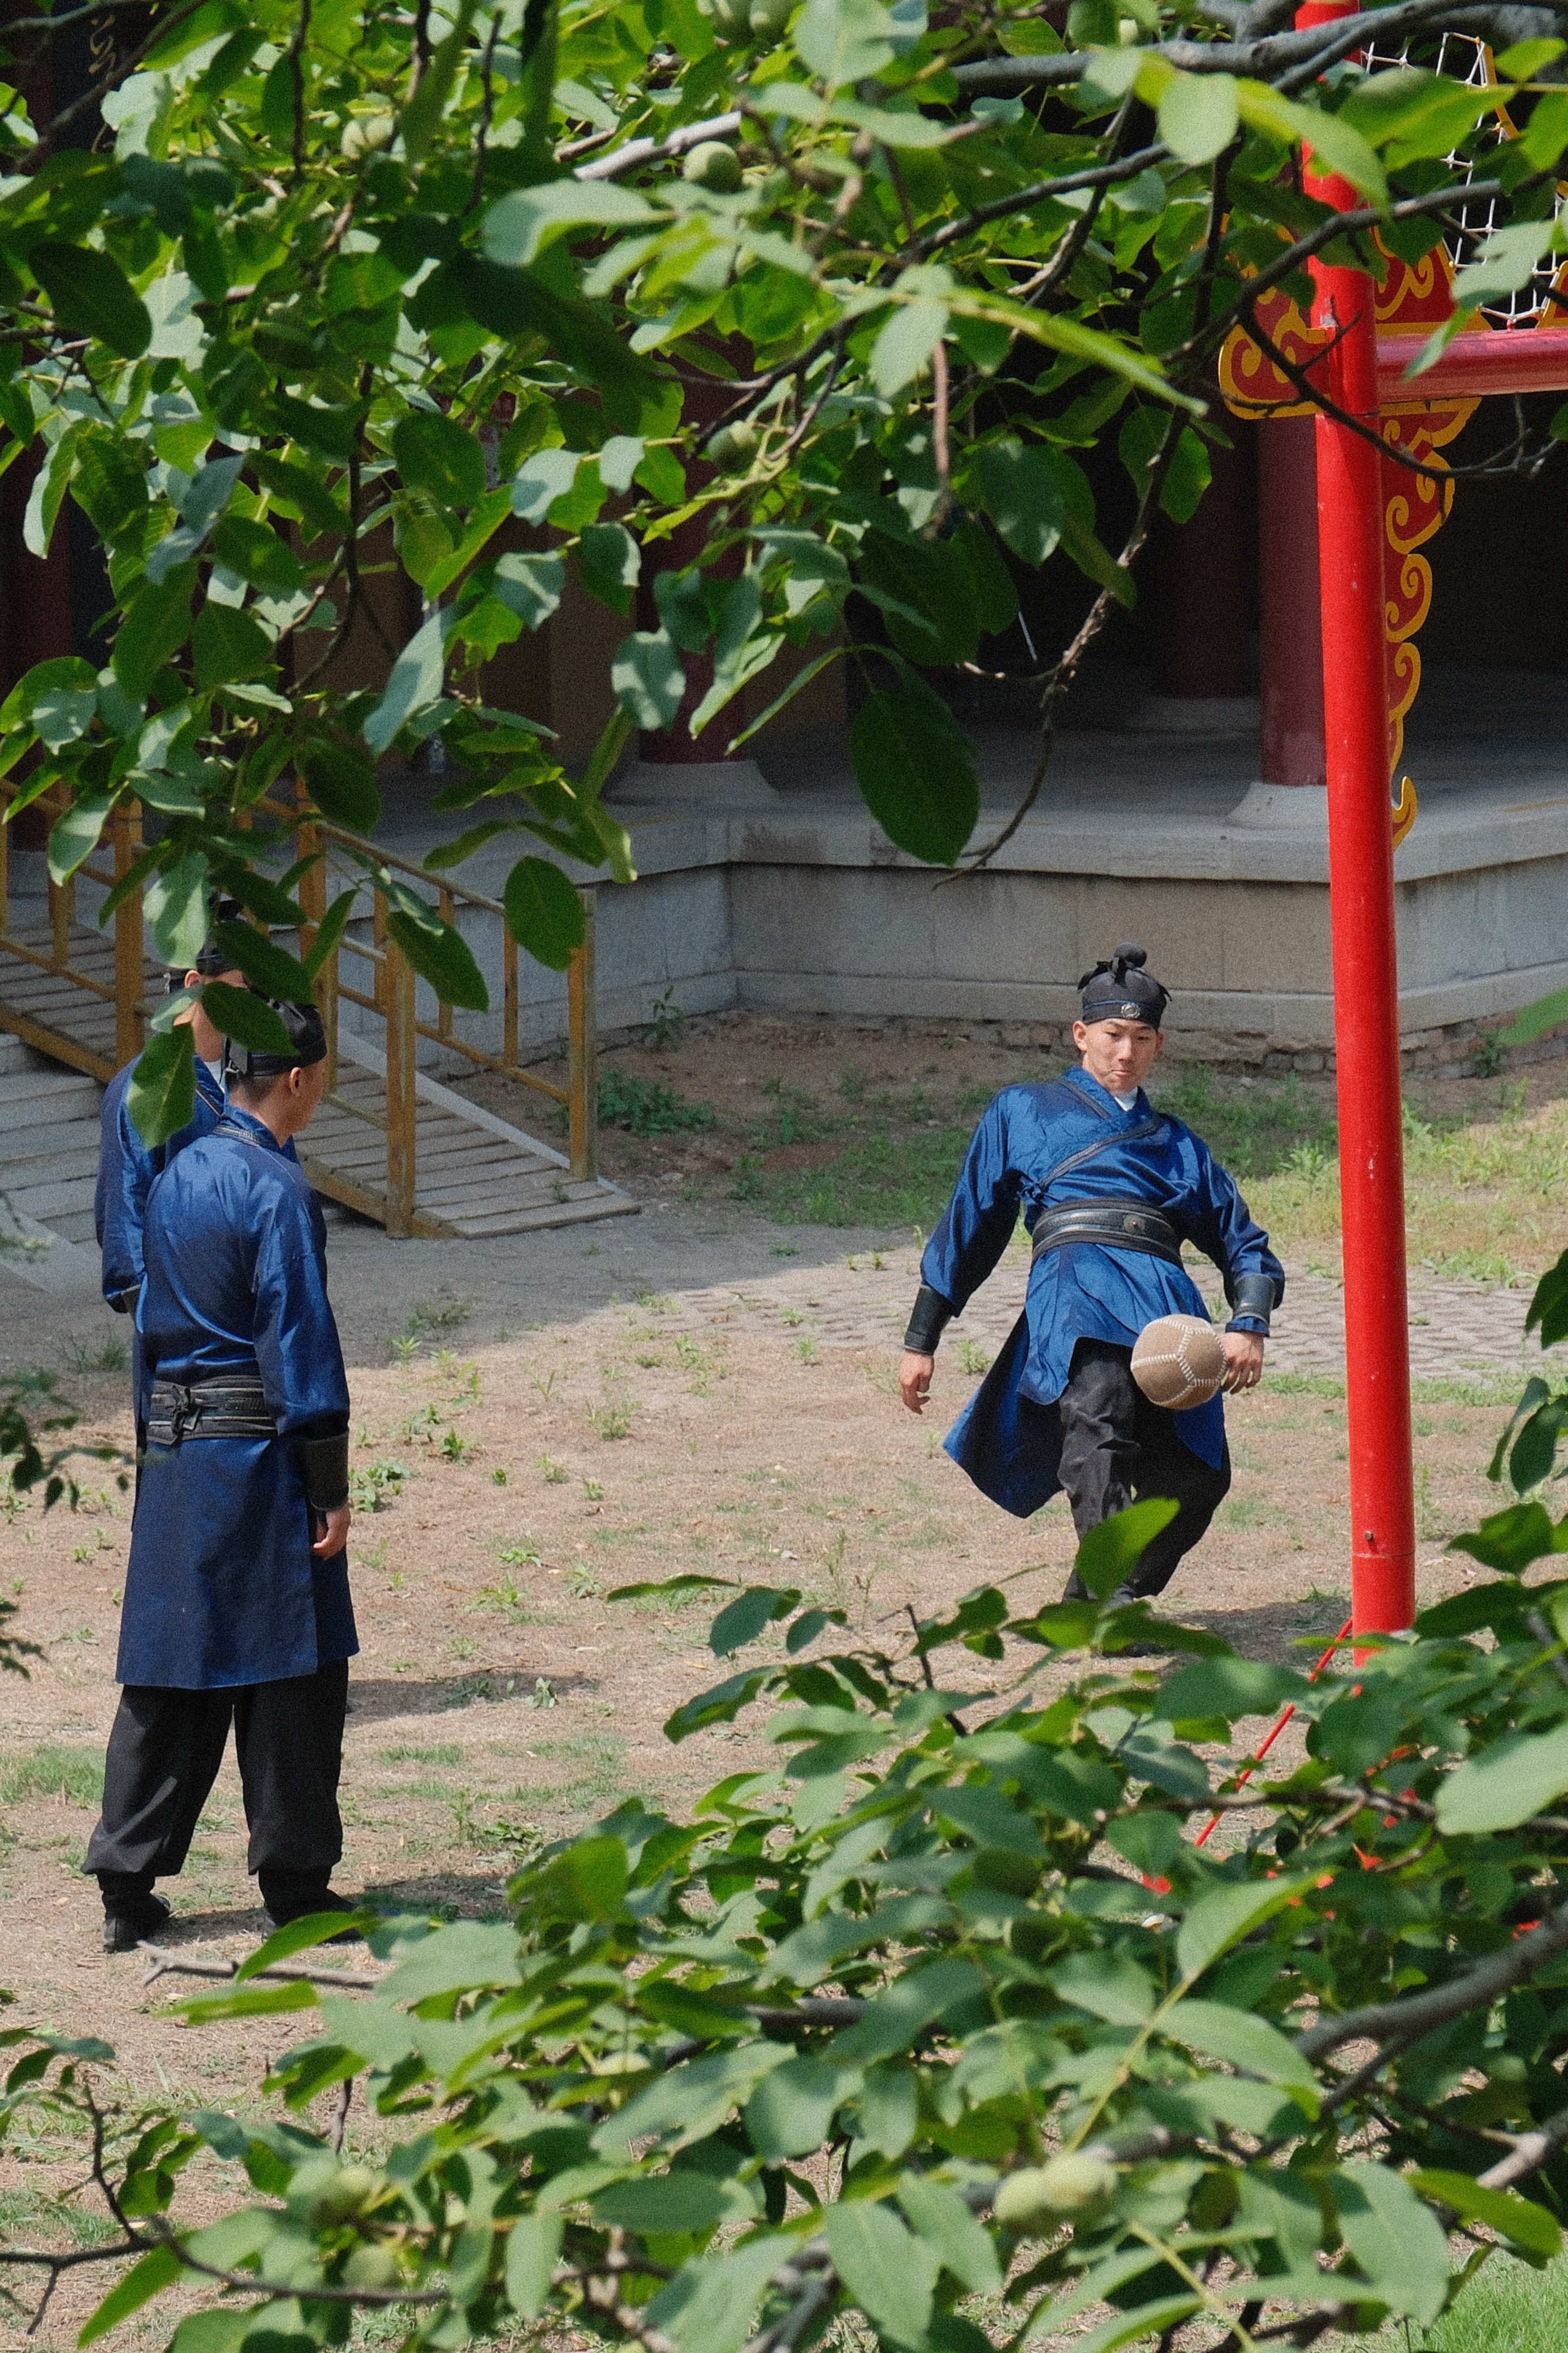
[1458, 1331]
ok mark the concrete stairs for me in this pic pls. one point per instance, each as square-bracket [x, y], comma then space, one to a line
[48, 1170]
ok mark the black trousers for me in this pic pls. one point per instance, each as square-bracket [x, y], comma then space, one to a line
[164, 1752]
[1116, 1448]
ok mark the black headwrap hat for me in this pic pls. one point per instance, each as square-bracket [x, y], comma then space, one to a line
[306, 1030]
[1121, 990]
[212, 959]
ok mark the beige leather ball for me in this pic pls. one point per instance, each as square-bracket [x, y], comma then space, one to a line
[1179, 1360]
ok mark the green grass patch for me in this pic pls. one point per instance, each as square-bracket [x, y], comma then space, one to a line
[648, 1106]
[445, 1752]
[28, 2215]
[1506, 2305]
[51, 1771]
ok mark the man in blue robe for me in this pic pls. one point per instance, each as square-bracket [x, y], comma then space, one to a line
[1108, 1189]
[128, 1165]
[236, 1604]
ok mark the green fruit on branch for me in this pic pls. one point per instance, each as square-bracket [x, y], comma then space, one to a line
[372, 2267]
[344, 2194]
[767, 18]
[710, 165]
[730, 15]
[733, 446]
[1061, 2189]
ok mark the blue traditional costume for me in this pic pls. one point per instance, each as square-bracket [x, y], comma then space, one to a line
[1109, 1190]
[228, 1615]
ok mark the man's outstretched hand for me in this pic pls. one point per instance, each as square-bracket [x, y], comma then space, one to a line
[914, 1380]
[1243, 1360]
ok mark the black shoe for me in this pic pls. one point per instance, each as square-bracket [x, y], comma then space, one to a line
[282, 1910]
[127, 1926]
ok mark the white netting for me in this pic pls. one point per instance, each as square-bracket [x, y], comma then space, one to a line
[1466, 59]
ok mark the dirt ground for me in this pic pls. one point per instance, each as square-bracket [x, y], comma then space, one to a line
[537, 1421]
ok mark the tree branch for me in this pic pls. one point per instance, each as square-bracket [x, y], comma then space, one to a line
[1395, 2024]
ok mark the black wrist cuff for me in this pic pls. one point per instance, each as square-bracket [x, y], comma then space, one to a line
[326, 1463]
[1253, 1294]
[124, 1302]
[931, 1315]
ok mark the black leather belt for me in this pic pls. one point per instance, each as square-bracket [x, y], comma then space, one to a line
[1126, 1225]
[215, 1408]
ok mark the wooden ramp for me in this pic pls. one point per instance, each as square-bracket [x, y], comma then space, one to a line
[474, 1173]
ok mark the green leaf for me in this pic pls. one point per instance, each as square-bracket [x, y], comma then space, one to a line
[252, 2001]
[1222, 1917]
[1397, 2241]
[1024, 496]
[1545, 137]
[228, 644]
[648, 681]
[143, 2281]
[74, 835]
[544, 912]
[1229, 1687]
[906, 343]
[1198, 114]
[845, 40]
[92, 296]
[240, 1013]
[791, 2112]
[1109, 1552]
[418, 677]
[891, 2274]
[1548, 1301]
[341, 781]
[532, 2254]
[1521, 1775]
[680, 2202]
[437, 950]
[899, 2016]
[611, 563]
[1512, 1540]
[174, 903]
[1148, 2322]
[162, 1095]
[916, 772]
[1532, 2230]
[294, 486]
[529, 585]
[1248, 2043]
[156, 624]
[1107, 1985]
[710, 2303]
[517, 223]
[1547, 1011]
[948, 2227]
[267, 967]
[253, 551]
[743, 1620]
[435, 454]
[461, 1959]
[1336, 144]
[424, 109]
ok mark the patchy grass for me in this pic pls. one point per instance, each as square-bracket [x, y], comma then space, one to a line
[51, 1771]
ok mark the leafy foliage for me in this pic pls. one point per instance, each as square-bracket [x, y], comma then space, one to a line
[946, 2011]
[781, 332]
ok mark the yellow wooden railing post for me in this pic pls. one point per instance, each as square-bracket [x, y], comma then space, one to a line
[402, 1041]
[129, 1030]
[583, 1054]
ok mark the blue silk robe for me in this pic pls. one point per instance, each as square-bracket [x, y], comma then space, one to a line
[222, 1587]
[1007, 1438]
[127, 1167]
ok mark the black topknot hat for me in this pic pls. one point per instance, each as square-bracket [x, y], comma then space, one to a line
[212, 959]
[307, 1030]
[1121, 990]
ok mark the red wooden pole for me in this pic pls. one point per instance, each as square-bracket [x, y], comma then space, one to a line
[1351, 543]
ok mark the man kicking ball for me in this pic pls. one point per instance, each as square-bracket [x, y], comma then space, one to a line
[1109, 1190]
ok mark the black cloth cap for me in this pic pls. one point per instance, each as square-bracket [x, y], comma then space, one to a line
[1121, 990]
[221, 909]
[305, 1026]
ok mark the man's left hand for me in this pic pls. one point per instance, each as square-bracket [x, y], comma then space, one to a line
[1243, 1360]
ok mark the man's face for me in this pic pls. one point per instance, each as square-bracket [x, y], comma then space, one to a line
[1119, 1054]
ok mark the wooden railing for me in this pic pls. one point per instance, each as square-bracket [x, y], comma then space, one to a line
[125, 992]
[71, 1033]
